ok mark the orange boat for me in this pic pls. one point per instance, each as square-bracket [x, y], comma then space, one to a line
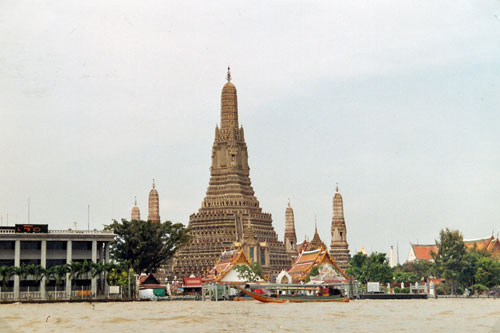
[294, 298]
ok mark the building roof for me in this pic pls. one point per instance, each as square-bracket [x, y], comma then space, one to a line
[148, 281]
[302, 246]
[306, 260]
[226, 262]
[423, 252]
[489, 244]
[479, 244]
[316, 242]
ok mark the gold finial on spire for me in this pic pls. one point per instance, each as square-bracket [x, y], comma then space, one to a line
[337, 187]
[288, 202]
[228, 76]
[135, 200]
[154, 186]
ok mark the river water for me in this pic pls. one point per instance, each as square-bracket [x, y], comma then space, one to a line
[441, 315]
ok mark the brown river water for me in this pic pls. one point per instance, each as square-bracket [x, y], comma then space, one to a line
[441, 315]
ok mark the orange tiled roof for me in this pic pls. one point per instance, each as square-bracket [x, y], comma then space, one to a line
[490, 244]
[479, 244]
[306, 260]
[302, 246]
[226, 262]
[423, 252]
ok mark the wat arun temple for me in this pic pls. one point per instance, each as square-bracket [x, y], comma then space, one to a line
[230, 216]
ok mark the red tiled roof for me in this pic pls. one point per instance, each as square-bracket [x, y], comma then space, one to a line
[479, 244]
[423, 252]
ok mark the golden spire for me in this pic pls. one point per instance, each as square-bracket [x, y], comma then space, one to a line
[337, 187]
[228, 76]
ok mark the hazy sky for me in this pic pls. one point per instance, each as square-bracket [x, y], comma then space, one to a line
[398, 101]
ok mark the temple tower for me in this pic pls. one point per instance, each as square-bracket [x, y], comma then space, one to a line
[316, 242]
[136, 213]
[290, 235]
[154, 205]
[339, 248]
[230, 215]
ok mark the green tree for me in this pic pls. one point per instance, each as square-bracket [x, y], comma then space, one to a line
[58, 273]
[37, 272]
[145, 244]
[252, 273]
[6, 273]
[374, 267]
[405, 277]
[450, 260]
[421, 268]
[488, 272]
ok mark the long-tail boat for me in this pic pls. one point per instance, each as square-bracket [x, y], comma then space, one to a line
[296, 293]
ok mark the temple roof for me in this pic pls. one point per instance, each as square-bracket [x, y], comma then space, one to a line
[306, 260]
[227, 260]
[479, 244]
[423, 252]
[316, 242]
[489, 244]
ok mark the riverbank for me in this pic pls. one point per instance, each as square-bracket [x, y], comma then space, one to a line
[443, 315]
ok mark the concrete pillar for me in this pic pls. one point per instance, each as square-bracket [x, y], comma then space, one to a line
[69, 259]
[106, 250]
[17, 263]
[106, 260]
[94, 260]
[43, 263]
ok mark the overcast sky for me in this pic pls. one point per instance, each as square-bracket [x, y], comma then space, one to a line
[397, 101]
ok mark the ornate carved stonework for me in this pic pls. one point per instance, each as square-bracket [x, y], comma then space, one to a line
[290, 235]
[136, 213]
[230, 215]
[339, 248]
[154, 205]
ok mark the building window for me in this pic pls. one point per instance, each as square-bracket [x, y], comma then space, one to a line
[31, 245]
[7, 245]
[55, 262]
[262, 257]
[87, 246]
[251, 254]
[57, 245]
[6, 262]
[30, 262]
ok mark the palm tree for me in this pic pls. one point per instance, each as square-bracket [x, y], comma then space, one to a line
[96, 269]
[6, 272]
[37, 272]
[58, 272]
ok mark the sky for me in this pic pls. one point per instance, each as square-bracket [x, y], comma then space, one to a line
[398, 102]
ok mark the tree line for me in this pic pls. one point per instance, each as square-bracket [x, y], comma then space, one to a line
[460, 268]
[58, 273]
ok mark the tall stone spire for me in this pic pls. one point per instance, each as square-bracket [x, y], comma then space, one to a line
[136, 213]
[229, 105]
[154, 205]
[290, 235]
[339, 248]
[230, 212]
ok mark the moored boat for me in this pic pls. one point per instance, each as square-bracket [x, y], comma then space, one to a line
[294, 293]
